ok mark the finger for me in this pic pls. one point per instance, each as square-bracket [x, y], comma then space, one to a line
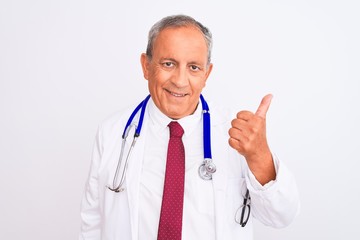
[239, 129]
[238, 123]
[234, 143]
[244, 115]
[264, 106]
[235, 133]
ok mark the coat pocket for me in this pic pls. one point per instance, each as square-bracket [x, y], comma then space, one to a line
[235, 194]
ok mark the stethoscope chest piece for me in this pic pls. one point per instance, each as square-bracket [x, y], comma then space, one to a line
[206, 169]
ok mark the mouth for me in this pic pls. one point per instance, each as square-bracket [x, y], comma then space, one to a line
[176, 94]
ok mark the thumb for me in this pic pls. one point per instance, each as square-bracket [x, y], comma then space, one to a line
[264, 106]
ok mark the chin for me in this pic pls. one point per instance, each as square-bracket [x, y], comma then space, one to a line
[176, 114]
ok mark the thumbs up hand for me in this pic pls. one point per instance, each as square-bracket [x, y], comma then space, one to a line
[248, 137]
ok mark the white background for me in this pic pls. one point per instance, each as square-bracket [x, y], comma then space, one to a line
[66, 65]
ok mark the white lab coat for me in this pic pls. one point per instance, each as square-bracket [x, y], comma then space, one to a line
[107, 215]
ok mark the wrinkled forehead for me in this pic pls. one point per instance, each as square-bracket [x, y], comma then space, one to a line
[192, 31]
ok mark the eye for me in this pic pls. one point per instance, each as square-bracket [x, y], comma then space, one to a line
[168, 64]
[194, 68]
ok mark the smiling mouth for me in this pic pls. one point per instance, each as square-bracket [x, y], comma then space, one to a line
[177, 94]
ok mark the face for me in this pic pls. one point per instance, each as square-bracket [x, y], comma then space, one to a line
[178, 70]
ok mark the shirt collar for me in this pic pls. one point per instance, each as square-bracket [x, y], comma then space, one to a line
[160, 121]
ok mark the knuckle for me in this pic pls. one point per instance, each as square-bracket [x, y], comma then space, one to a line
[233, 122]
[241, 114]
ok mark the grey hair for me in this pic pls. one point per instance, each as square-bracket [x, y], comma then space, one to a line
[177, 21]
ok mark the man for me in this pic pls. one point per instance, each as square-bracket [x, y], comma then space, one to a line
[176, 65]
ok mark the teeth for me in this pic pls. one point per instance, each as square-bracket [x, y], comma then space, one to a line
[177, 94]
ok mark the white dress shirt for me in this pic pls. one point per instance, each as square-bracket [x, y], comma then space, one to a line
[153, 174]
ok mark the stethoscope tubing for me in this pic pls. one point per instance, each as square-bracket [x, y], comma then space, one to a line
[206, 129]
[142, 105]
[206, 169]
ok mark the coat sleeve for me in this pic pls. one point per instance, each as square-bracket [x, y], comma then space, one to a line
[276, 204]
[90, 210]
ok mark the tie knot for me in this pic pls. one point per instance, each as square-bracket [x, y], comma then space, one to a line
[175, 129]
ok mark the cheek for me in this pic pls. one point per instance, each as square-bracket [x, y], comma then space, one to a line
[159, 77]
[156, 83]
[197, 84]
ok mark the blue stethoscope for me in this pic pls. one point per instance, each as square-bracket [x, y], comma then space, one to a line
[206, 169]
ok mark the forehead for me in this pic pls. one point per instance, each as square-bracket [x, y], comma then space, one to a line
[184, 39]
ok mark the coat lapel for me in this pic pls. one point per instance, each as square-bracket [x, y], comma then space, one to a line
[220, 177]
[133, 179]
[219, 183]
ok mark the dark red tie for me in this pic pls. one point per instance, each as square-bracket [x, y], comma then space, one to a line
[173, 196]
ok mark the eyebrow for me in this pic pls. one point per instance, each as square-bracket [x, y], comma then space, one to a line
[173, 60]
[168, 59]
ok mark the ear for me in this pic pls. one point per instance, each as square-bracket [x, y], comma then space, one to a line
[145, 65]
[208, 71]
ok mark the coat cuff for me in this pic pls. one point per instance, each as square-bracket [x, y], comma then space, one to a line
[254, 183]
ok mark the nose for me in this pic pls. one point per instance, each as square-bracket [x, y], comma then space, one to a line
[181, 78]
